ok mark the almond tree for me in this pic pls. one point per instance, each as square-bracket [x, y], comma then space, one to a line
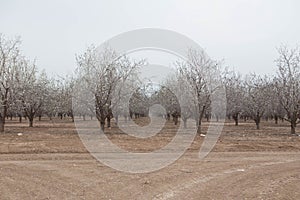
[52, 104]
[178, 98]
[63, 96]
[15, 105]
[129, 98]
[101, 72]
[257, 99]
[275, 109]
[201, 73]
[287, 84]
[32, 90]
[235, 94]
[9, 55]
[167, 98]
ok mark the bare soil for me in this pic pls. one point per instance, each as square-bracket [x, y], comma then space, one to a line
[49, 161]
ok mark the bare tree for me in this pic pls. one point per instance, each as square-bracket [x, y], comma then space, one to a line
[274, 110]
[63, 95]
[9, 54]
[139, 102]
[52, 104]
[127, 98]
[167, 98]
[200, 72]
[102, 71]
[257, 99]
[179, 98]
[32, 90]
[235, 94]
[287, 84]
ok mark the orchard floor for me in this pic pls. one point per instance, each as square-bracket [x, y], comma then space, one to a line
[49, 161]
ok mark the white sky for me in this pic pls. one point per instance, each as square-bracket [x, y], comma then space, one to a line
[243, 33]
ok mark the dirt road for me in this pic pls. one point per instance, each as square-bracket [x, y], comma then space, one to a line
[52, 163]
[247, 175]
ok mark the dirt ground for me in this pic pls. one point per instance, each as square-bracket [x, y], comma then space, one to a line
[49, 161]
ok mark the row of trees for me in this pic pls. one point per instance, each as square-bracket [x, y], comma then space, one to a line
[277, 97]
[112, 82]
[188, 93]
[24, 92]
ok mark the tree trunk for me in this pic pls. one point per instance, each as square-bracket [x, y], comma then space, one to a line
[102, 125]
[257, 125]
[198, 124]
[101, 118]
[199, 127]
[108, 122]
[207, 118]
[2, 122]
[30, 122]
[293, 127]
[200, 119]
[236, 119]
[2, 117]
[72, 116]
[257, 122]
[40, 118]
[117, 119]
[276, 119]
[175, 118]
[20, 119]
[185, 123]
[131, 114]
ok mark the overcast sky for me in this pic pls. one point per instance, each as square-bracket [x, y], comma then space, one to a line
[243, 33]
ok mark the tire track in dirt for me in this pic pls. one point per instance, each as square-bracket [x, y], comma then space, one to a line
[191, 183]
[220, 176]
